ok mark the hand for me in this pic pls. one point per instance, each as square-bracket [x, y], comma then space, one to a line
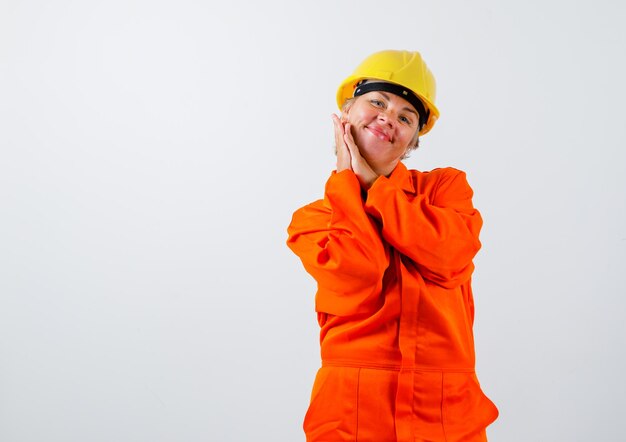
[343, 154]
[358, 164]
[348, 154]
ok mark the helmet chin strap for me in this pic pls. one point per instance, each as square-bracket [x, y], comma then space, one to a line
[365, 86]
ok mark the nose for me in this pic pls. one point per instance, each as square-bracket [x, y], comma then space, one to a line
[385, 118]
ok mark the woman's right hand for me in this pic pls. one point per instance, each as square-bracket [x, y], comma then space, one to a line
[344, 159]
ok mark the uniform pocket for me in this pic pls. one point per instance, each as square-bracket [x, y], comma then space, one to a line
[427, 399]
[466, 411]
[332, 413]
[376, 406]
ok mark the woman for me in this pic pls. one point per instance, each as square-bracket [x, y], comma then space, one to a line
[391, 250]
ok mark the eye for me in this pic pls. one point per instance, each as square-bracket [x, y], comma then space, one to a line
[377, 103]
[406, 120]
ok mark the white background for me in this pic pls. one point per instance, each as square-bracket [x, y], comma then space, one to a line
[151, 155]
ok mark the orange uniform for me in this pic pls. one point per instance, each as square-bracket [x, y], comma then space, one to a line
[395, 307]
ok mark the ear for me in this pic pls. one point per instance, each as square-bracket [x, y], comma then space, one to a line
[345, 112]
[345, 109]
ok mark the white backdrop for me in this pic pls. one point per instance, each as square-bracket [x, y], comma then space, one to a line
[151, 155]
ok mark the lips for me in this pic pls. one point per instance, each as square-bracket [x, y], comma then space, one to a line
[379, 132]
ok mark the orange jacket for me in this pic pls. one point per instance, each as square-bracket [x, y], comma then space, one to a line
[395, 307]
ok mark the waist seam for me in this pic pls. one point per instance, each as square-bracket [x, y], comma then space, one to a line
[396, 367]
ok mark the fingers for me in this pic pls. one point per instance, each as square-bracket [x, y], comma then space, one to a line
[338, 127]
[339, 133]
[343, 154]
[350, 143]
[360, 166]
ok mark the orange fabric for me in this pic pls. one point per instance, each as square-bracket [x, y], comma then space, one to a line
[395, 307]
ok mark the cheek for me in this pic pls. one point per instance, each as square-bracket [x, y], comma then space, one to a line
[407, 137]
[359, 114]
[349, 118]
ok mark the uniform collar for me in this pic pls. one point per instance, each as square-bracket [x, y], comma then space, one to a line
[401, 177]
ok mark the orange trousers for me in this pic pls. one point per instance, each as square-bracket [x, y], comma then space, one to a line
[358, 404]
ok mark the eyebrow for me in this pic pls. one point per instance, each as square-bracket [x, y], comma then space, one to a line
[405, 108]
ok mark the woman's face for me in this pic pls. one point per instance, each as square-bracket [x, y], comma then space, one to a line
[383, 127]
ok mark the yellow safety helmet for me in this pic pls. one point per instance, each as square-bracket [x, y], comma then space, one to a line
[402, 68]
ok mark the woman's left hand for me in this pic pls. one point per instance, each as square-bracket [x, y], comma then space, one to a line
[360, 166]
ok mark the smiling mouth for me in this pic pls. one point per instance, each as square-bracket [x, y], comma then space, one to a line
[379, 133]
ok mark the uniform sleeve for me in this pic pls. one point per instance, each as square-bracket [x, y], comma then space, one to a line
[438, 231]
[340, 246]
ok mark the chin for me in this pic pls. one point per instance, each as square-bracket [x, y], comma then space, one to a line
[372, 151]
[370, 144]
